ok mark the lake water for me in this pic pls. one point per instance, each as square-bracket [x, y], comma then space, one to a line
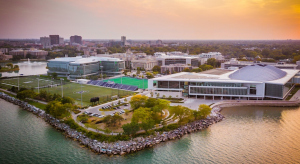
[27, 68]
[247, 135]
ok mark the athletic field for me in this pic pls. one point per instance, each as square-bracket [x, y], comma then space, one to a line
[28, 82]
[140, 83]
[72, 90]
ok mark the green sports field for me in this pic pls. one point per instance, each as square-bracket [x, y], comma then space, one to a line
[140, 83]
[28, 82]
[72, 90]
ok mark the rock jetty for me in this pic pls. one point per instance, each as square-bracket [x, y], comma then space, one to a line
[119, 147]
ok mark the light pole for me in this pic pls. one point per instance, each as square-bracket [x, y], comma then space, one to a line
[81, 94]
[18, 81]
[62, 88]
[38, 84]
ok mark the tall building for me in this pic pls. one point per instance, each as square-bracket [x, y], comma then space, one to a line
[159, 42]
[76, 39]
[123, 40]
[61, 41]
[45, 41]
[54, 39]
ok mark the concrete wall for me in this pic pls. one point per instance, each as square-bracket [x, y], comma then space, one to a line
[167, 94]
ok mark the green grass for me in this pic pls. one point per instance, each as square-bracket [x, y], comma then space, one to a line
[73, 90]
[140, 83]
[36, 104]
[293, 92]
[28, 82]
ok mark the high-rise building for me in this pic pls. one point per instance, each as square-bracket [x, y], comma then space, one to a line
[45, 41]
[54, 39]
[159, 42]
[123, 39]
[76, 39]
[61, 41]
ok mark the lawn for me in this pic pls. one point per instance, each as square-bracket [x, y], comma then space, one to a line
[28, 82]
[140, 83]
[73, 90]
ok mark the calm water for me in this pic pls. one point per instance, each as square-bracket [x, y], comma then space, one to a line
[247, 135]
[27, 68]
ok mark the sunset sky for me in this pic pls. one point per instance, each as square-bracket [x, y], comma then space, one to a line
[151, 19]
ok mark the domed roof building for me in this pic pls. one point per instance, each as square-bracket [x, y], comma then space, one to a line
[258, 72]
[256, 81]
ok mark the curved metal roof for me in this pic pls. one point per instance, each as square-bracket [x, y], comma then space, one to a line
[258, 72]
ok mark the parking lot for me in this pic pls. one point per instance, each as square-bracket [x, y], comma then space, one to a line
[94, 111]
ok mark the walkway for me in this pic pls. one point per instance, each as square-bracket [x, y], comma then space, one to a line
[13, 93]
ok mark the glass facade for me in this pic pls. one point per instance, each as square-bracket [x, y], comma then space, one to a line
[112, 67]
[215, 84]
[219, 91]
[194, 62]
[84, 69]
[274, 90]
[58, 66]
[175, 61]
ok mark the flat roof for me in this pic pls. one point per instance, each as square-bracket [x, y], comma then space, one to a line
[218, 75]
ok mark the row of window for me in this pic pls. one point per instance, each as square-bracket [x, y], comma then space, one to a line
[219, 91]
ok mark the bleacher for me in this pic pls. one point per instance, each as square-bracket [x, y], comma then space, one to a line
[113, 85]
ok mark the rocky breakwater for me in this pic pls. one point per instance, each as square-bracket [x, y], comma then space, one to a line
[119, 147]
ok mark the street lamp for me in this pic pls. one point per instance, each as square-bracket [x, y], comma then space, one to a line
[38, 84]
[19, 82]
[62, 88]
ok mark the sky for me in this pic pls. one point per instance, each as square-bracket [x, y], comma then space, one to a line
[152, 19]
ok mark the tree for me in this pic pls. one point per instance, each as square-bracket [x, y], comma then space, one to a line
[213, 62]
[162, 104]
[118, 118]
[138, 71]
[143, 115]
[204, 110]
[66, 100]
[181, 112]
[131, 128]
[107, 131]
[58, 110]
[104, 76]
[137, 101]
[107, 120]
[26, 94]
[149, 75]
[196, 70]
[186, 70]
[205, 67]
[10, 65]
[156, 68]
[16, 67]
[147, 124]
[151, 93]
[54, 75]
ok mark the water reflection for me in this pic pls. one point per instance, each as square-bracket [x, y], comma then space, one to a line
[26, 68]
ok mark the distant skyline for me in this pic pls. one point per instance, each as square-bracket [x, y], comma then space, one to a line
[152, 19]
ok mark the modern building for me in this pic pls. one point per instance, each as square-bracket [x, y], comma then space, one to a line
[75, 39]
[45, 41]
[173, 68]
[54, 39]
[240, 64]
[257, 81]
[167, 60]
[76, 67]
[61, 41]
[147, 63]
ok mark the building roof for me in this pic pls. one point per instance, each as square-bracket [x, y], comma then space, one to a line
[249, 74]
[258, 72]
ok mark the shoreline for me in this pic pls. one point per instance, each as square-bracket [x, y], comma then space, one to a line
[118, 147]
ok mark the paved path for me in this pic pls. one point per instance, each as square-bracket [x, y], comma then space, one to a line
[13, 93]
[296, 96]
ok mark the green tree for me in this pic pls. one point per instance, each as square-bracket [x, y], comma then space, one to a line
[10, 65]
[156, 69]
[147, 124]
[186, 70]
[58, 110]
[131, 128]
[26, 94]
[204, 110]
[66, 100]
[137, 101]
[181, 112]
[104, 76]
[149, 75]
[54, 75]
[16, 67]
[213, 62]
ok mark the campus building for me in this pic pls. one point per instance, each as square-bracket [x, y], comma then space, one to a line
[167, 60]
[251, 82]
[240, 64]
[76, 67]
